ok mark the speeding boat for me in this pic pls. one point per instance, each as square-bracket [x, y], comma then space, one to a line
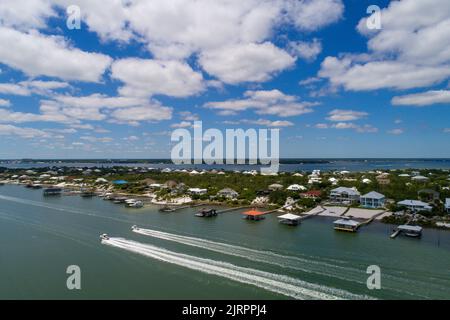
[104, 236]
[135, 227]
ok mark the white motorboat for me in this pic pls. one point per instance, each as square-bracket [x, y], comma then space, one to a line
[104, 236]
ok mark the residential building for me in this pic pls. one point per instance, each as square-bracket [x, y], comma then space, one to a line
[344, 195]
[373, 199]
[296, 187]
[197, 191]
[275, 187]
[415, 205]
[228, 193]
[420, 179]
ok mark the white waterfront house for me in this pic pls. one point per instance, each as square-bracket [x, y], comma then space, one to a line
[415, 205]
[447, 205]
[197, 191]
[314, 177]
[373, 199]
[420, 179]
[296, 187]
[344, 195]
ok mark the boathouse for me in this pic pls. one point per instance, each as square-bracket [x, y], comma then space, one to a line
[345, 224]
[289, 219]
[253, 215]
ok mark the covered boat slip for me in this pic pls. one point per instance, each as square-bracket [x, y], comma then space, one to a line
[206, 213]
[346, 225]
[289, 219]
[254, 215]
[410, 231]
[52, 192]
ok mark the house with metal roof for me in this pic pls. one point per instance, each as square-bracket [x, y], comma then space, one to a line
[275, 187]
[415, 205]
[372, 199]
[296, 187]
[344, 195]
[420, 179]
[346, 224]
[228, 193]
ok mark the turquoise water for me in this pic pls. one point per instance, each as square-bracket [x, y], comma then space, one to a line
[40, 237]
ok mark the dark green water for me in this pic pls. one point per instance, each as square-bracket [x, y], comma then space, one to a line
[40, 237]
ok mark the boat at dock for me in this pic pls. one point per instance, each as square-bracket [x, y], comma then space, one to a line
[206, 213]
[119, 200]
[166, 209]
[52, 192]
[132, 203]
[407, 230]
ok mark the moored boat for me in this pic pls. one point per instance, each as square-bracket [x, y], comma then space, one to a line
[206, 213]
[53, 192]
[166, 209]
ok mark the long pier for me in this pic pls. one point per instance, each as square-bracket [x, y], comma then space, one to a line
[173, 209]
[233, 209]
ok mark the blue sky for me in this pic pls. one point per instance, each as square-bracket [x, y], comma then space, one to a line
[137, 70]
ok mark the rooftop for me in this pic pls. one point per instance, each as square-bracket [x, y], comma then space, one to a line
[349, 191]
[373, 195]
[413, 203]
[406, 227]
[347, 222]
[289, 216]
[253, 213]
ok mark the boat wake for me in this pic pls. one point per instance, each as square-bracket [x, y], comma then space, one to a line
[268, 257]
[393, 283]
[277, 283]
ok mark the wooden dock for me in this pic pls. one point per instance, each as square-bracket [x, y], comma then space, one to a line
[233, 209]
[173, 208]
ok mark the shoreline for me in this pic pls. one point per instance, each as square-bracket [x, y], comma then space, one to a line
[164, 187]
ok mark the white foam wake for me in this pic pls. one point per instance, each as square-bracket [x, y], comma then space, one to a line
[268, 257]
[281, 284]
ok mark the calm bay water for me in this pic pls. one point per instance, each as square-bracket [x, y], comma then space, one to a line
[40, 237]
[328, 165]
